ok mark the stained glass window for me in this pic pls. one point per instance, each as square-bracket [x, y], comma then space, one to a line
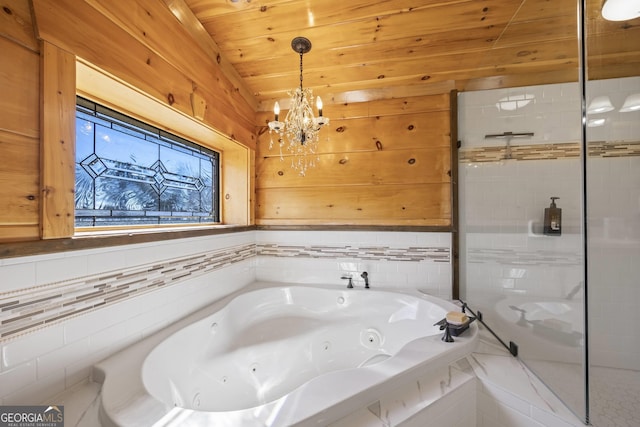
[131, 173]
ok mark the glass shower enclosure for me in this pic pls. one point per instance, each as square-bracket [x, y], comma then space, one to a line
[565, 294]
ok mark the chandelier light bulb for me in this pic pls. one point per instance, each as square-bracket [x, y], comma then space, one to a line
[319, 105]
[276, 110]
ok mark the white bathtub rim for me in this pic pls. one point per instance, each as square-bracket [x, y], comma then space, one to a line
[125, 401]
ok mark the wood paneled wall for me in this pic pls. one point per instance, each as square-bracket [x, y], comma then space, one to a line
[19, 124]
[142, 43]
[384, 162]
[145, 48]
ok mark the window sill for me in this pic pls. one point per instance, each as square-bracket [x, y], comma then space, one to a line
[107, 238]
[88, 232]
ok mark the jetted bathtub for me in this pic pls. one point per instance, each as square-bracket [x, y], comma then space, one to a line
[279, 355]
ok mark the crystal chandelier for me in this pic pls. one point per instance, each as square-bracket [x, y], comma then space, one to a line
[299, 133]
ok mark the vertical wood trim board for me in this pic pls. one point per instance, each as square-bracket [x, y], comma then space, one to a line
[57, 161]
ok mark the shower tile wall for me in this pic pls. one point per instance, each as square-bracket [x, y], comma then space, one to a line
[613, 191]
[503, 200]
[505, 259]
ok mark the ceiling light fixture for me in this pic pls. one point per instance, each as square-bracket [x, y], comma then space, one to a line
[299, 133]
[514, 102]
[600, 104]
[631, 103]
[621, 10]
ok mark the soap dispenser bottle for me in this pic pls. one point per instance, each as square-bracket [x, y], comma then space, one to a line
[553, 219]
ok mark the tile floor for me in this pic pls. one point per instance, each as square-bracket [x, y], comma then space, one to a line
[615, 397]
[614, 393]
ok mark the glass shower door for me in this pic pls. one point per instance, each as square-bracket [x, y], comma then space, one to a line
[613, 212]
[521, 147]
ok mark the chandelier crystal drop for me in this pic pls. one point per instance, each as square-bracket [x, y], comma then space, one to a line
[298, 135]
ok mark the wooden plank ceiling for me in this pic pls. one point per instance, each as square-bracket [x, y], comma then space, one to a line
[365, 50]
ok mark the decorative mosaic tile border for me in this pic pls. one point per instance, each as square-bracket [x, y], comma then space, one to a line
[522, 257]
[568, 150]
[614, 149]
[34, 308]
[30, 309]
[372, 253]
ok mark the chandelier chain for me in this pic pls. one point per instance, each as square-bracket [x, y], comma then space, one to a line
[301, 69]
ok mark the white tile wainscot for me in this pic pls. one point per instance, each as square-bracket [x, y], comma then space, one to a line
[43, 358]
[414, 260]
